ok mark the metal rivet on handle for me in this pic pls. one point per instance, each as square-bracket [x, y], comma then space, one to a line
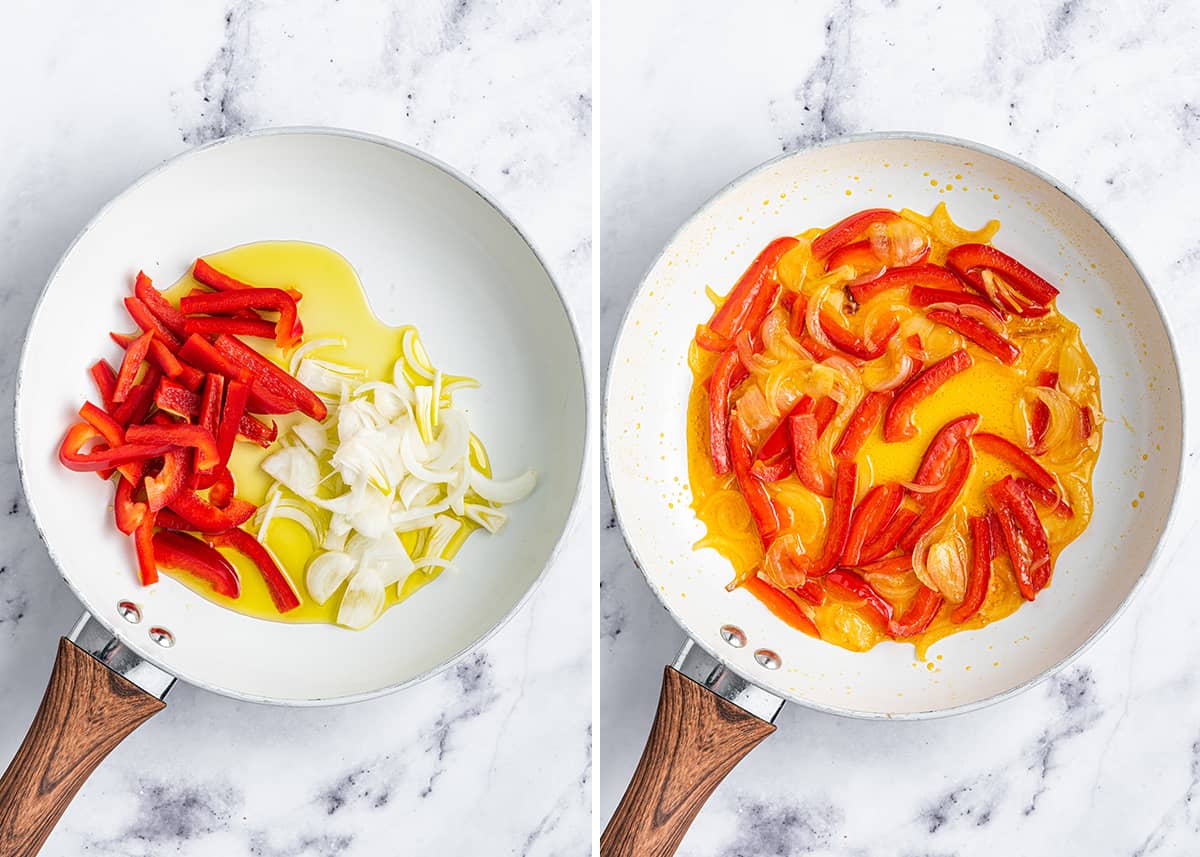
[162, 636]
[767, 659]
[733, 635]
[130, 612]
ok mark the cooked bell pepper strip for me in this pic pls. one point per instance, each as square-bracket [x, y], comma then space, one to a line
[850, 585]
[779, 439]
[819, 351]
[159, 307]
[143, 544]
[861, 257]
[1086, 422]
[773, 469]
[862, 422]
[204, 517]
[937, 505]
[892, 565]
[1018, 550]
[922, 296]
[980, 573]
[1024, 535]
[188, 554]
[920, 614]
[898, 423]
[874, 513]
[1009, 452]
[849, 228]
[271, 378]
[159, 352]
[168, 483]
[141, 397]
[727, 374]
[766, 517]
[1045, 497]
[132, 362]
[210, 403]
[966, 259]
[168, 520]
[783, 607]
[803, 429]
[885, 542]
[846, 341]
[114, 435]
[106, 381]
[824, 410]
[837, 531]
[78, 435]
[201, 353]
[205, 273]
[149, 323]
[812, 592]
[979, 333]
[941, 449]
[232, 416]
[221, 492]
[922, 276]
[283, 592]
[205, 326]
[178, 400]
[276, 300]
[198, 437]
[127, 511]
[730, 318]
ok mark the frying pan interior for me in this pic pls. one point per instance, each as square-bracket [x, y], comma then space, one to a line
[1102, 290]
[431, 251]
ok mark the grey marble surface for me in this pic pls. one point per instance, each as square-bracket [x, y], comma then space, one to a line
[492, 757]
[1105, 758]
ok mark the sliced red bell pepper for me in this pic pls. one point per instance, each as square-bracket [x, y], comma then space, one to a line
[143, 544]
[178, 400]
[849, 228]
[1010, 453]
[892, 565]
[232, 417]
[221, 492]
[188, 554]
[127, 511]
[205, 326]
[812, 592]
[846, 341]
[106, 381]
[1086, 422]
[732, 316]
[979, 333]
[824, 410]
[851, 586]
[283, 592]
[159, 352]
[920, 614]
[778, 441]
[130, 364]
[861, 257]
[201, 353]
[1039, 418]
[270, 379]
[275, 300]
[773, 469]
[168, 483]
[873, 514]
[837, 531]
[967, 259]
[210, 403]
[73, 458]
[727, 374]
[819, 351]
[141, 397]
[766, 518]
[147, 321]
[941, 449]
[937, 505]
[158, 306]
[1047, 498]
[885, 542]
[783, 607]
[862, 422]
[204, 517]
[205, 273]
[898, 423]
[980, 574]
[922, 296]
[924, 277]
[1024, 536]
[198, 437]
[803, 428]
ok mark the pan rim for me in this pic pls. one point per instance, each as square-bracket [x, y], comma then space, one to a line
[1172, 513]
[584, 384]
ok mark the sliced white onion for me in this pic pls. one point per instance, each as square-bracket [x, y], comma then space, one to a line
[925, 489]
[313, 435]
[999, 292]
[326, 572]
[415, 357]
[363, 600]
[488, 517]
[308, 348]
[812, 318]
[503, 491]
[902, 369]
[295, 468]
[385, 555]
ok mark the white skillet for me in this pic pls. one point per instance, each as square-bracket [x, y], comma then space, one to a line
[432, 250]
[739, 648]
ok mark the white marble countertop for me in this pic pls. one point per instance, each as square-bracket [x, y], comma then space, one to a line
[492, 757]
[1102, 760]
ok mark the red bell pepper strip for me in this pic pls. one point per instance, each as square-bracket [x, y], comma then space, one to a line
[159, 352]
[892, 565]
[783, 607]
[862, 422]
[1024, 535]
[200, 353]
[852, 586]
[159, 307]
[874, 513]
[1039, 418]
[132, 362]
[920, 614]
[143, 543]
[773, 469]
[966, 259]
[766, 518]
[845, 490]
[727, 374]
[221, 492]
[178, 400]
[283, 592]
[205, 273]
[1009, 452]
[141, 397]
[898, 424]
[941, 449]
[210, 404]
[273, 380]
[1047, 498]
[114, 435]
[824, 410]
[127, 511]
[149, 323]
[276, 300]
[1086, 422]
[847, 229]
[979, 333]
[73, 458]
[922, 296]
[188, 554]
[731, 317]
[885, 542]
[197, 437]
[939, 504]
[861, 257]
[819, 351]
[846, 341]
[803, 428]
[980, 574]
[232, 416]
[778, 441]
[204, 517]
[923, 276]
[168, 483]
[812, 592]
[206, 326]
[106, 381]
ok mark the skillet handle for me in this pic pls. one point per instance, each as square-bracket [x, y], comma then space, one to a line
[697, 738]
[88, 709]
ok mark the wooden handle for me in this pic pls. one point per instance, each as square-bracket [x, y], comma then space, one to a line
[696, 739]
[87, 711]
